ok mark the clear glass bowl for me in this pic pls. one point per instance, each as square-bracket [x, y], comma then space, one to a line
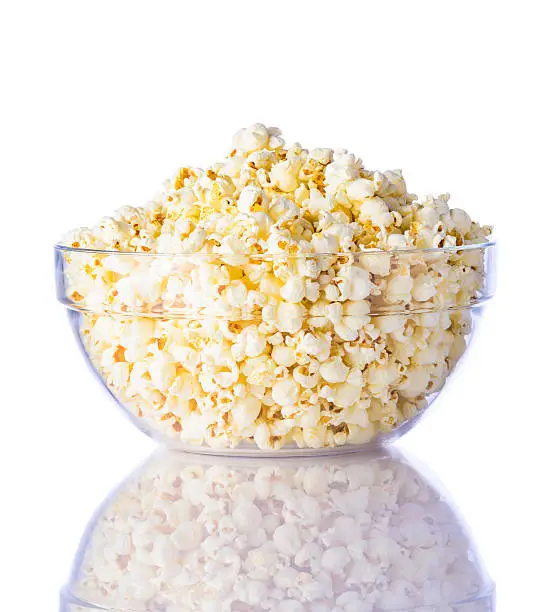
[360, 532]
[272, 353]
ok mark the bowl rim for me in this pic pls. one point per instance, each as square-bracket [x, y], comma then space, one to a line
[485, 595]
[59, 247]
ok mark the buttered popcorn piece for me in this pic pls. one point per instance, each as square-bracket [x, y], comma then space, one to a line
[359, 533]
[277, 297]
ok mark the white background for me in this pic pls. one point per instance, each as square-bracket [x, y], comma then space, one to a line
[102, 100]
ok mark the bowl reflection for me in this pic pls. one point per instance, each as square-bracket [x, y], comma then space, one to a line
[352, 533]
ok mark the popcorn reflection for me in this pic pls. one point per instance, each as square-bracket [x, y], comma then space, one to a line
[355, 533]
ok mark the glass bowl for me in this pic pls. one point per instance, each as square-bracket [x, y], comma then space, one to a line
[275, 352]
[360, 532]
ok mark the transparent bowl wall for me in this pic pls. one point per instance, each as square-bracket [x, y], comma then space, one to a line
[359, 532]
[220, 352]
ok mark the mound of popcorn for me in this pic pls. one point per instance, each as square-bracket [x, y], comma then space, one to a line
[280, 297]
[359, 534]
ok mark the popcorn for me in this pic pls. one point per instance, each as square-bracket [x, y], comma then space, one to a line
[283, 355]
[293, 289]
[360, 189]
[461, 220]
[286, 539]
[285, 392]
[399, 287]
[245, 412]
[251, 139]
[284, 176]
[424, 288]
[289, 317]
[278, 297]
[187, 536]
[334, 370]
[356, 532]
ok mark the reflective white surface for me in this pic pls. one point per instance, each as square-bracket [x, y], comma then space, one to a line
[352, 533]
